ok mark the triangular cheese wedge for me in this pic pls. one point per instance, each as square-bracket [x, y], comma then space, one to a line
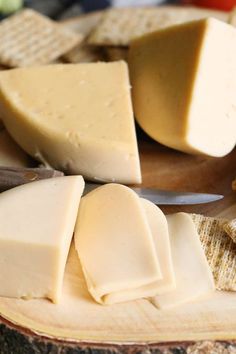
[193, 275]
[36, 227]
[115, 245]
[74, 117]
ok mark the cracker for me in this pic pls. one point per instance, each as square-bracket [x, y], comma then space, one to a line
[220, 250]
[83, 24]
[84, 54]
[230, 228]
[116, 53]
[119, 26]
[29, 38]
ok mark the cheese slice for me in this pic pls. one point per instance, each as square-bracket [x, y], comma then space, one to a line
[74, 117]
[184, 84]
[36, 227]
[193, 275]
[159, 228]
[115, 245]
[10, 153]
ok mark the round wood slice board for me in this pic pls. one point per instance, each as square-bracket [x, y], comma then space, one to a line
[79, 325]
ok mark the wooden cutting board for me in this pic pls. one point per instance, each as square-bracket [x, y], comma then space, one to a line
[135, 326]
[78, 325]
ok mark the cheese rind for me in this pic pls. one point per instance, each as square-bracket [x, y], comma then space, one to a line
[184, 83]
[193, 275]
[36, 227]
[160, 233]
[11, 155]
[115, 245]
[77, 118]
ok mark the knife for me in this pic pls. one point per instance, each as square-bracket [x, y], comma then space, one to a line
[11, 177]
[164, 197]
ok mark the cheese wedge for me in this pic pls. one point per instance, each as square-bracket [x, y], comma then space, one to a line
[115, 245]
[10, 153]
[77, 118]
[184, 84]
[193, 275]
[36, 227]
[159, 229]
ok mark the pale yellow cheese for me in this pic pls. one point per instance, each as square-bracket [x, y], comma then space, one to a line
[184, 84]
[74, 117]
[10, 153]
[159, 228]
[115, 245]
[194, 279]
[36, 227]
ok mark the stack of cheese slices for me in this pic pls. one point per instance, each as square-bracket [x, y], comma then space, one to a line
[128, 249]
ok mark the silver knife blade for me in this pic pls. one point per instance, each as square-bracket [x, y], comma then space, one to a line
[164, 197]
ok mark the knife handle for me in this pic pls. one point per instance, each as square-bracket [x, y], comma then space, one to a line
[11, 177]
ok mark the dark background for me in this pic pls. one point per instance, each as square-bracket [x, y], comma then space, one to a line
[59, 9]
[62, 9]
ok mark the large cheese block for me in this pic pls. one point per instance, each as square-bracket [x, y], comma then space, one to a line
[115, 246]
[77, 118]
[184, 84]
[160, 233]
[10, 153]
[36, 227]
[194, 279]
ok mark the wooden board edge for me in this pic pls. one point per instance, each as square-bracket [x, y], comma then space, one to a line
[17, 340]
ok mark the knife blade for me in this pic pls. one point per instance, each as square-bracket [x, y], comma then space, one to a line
[165, 197]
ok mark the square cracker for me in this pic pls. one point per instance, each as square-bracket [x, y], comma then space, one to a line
[230, 228]
[220, 250]
[83, 24]
[84, 53]
[119, 26]
[29, 38]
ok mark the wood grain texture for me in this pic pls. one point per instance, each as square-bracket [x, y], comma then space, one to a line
[14, 340]
[169, 169]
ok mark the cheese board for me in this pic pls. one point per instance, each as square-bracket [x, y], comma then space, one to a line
[78, 324]
[81, 325]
